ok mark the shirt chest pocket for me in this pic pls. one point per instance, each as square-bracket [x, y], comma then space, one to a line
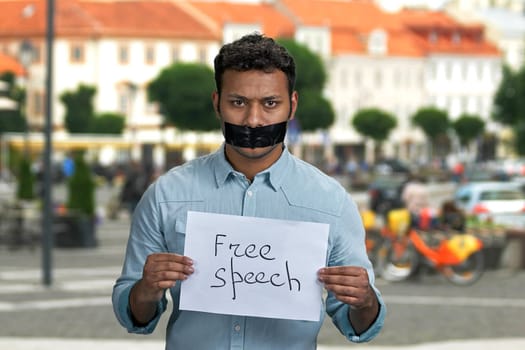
[175, 224]
[176, 236]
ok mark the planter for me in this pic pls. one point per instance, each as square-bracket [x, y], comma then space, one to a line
[75, 231]
[492, 251]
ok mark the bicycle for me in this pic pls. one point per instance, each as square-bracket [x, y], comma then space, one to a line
[457, 256]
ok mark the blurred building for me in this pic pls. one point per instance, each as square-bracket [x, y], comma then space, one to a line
[11, 64]
[397, 60]
[504, 21]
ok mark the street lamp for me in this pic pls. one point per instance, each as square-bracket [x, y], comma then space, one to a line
[26, 55]
[47, 210]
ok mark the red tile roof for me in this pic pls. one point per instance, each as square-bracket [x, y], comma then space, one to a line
[437, 32]
[92, 18]
[352, 21]
[9, 64]
[273, 22]
[409, 32]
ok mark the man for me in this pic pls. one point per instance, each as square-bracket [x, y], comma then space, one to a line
[252, 174]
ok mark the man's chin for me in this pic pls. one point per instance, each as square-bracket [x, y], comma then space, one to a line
[253, 153]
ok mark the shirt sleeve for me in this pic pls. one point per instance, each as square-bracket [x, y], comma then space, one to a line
[348, 248]
[145, 238]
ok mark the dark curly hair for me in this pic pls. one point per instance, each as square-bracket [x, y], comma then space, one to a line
[254, 51]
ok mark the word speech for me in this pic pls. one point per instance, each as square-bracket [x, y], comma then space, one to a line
[254, 266]
[234, 277]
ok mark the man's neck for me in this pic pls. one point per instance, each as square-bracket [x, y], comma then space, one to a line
[252, 166]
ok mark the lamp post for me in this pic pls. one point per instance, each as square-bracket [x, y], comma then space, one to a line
[26, 58]
[47, 240]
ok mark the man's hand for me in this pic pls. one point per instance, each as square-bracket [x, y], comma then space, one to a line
[161, 271]
[350, 285]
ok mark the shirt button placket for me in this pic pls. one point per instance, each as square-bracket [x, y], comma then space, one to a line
[237, 335]
[249, 202]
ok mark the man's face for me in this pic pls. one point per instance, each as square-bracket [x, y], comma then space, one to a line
[254, 99]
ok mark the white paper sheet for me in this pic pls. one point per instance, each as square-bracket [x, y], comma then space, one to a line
[254, 267]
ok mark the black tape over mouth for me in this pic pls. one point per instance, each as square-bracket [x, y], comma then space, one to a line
[262, 136]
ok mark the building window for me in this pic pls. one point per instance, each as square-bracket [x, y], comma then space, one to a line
[123, 54]
[378, 77]
[152, 108]
[450, 71]
[456, 38]
[432, 37]
[150, 54]
[343, 79]
[202, 55]
[396, 81]
[76, 53]
[175, 54]
[37, 53]
[37, 103]
[357, 78]
[377, 42]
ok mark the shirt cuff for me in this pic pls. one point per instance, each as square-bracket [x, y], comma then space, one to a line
[344, 324]
[127, 319]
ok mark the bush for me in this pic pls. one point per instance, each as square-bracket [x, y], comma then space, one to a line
[26, 181]
[81, 187]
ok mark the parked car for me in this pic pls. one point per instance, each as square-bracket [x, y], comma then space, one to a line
[391, 166]
[483, 173]
[384, 193]
[520, 180]
[503, 202]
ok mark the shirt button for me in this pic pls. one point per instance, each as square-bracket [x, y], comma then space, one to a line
[237, 328]
[250, 193]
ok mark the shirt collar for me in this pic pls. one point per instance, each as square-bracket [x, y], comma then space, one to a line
[221, 167]
[275, 174]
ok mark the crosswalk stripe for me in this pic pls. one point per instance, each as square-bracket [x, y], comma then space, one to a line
[54, 304]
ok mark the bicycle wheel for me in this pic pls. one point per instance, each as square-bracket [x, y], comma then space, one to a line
[397, 261]
[466, 273]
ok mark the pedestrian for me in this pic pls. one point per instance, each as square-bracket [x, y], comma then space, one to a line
[137, 179]
[253, 174]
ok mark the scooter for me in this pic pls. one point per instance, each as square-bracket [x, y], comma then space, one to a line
[456, 256]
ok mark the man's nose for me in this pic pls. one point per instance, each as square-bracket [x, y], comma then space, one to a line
[254, 115]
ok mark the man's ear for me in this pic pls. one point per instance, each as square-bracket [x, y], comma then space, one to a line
[215, 100]
[294, 100]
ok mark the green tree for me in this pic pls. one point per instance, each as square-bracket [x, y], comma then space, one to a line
[79, 109]
[509, 105]
[310, 70]
[13, 120]
[468, 128]
[81, 187]
[315, 111]
[434, 123]
[376, 124]
[509, 101]
[108, 123]
[519, 139]
[183, 92]
[26, 181]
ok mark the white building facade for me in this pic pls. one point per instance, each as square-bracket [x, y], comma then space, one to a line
[373, 74]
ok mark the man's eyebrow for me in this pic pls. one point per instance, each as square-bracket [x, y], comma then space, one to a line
[234, 95]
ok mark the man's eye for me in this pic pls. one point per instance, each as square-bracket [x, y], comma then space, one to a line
[271, 103]
[237, 103]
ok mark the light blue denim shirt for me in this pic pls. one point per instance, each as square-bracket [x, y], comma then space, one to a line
[290, 189]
